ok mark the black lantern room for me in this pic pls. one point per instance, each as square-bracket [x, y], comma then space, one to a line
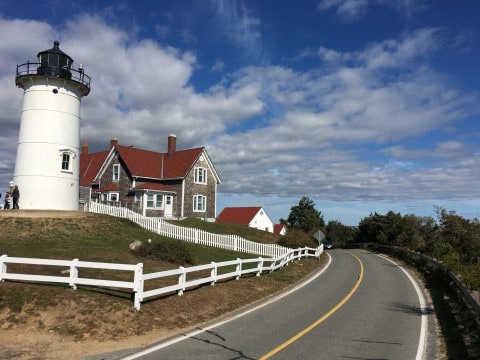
[53, 63]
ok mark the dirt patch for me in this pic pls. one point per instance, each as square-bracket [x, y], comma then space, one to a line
[55, 214]
[63, 323]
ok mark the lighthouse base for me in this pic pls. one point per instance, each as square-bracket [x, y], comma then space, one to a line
[53, 194]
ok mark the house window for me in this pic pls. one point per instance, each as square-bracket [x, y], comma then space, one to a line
[150, 201]
[104, 197]
[116, 172]
[199, 202]
[159, 201]
[138, 197]
[113, 197]
[66, 161]
[155, 201]
[200, 175]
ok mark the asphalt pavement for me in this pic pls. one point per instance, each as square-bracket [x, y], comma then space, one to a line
[362, 306]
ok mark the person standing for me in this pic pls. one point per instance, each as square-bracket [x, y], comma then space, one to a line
[15, 196]
[6, 204]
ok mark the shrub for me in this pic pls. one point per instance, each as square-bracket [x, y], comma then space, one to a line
[295, 239]
[171, 251]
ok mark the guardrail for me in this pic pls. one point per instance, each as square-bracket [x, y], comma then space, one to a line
[460, 288]
[197, 236]
[184, 278]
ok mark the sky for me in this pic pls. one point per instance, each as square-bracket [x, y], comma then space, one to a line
[362, 106]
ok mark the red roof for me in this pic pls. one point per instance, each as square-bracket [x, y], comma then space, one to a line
[152, 186]
[141, 163]
[277, 228]
[110, 187]
[238, 215]
[150, 164]
[90, 165]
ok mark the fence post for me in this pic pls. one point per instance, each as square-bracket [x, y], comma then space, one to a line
[213, 273]
[138, 286]
[181, 281]
[239, 269]
[260, 266]
[273, 264]
[73, 274]
[3, 266]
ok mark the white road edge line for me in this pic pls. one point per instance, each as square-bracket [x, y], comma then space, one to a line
[423, 305]
[236, 316]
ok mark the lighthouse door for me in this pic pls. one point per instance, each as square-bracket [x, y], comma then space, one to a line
[168, 206]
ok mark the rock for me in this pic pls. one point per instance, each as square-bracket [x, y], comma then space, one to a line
[135, 245]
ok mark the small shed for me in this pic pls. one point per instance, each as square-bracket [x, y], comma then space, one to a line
[253, 216]
[279, 229]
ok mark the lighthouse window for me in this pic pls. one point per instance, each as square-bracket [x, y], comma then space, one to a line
[66, 161]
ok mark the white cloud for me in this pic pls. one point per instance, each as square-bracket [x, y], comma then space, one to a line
[345, 8]
[353, 9]
[241, 27]
[218, 66]
[332, 133]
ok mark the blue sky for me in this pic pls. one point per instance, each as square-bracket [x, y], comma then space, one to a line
[360, 105]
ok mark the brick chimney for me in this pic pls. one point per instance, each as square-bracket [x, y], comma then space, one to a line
[172, 144]
[113, 142]
[85, 147]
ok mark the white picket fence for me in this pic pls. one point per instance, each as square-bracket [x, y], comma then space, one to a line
[197, 236]
[182, 277]
[178, 279]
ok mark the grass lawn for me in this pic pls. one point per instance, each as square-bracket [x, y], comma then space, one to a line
[46, 314]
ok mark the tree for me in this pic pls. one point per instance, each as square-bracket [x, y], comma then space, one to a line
[340, 234]
[305, 217]
[295, 238]
[461, 234]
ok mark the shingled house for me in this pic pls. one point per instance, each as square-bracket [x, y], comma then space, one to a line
[175, 184]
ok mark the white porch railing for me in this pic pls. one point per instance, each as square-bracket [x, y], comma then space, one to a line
[183, 275]
[197, 236]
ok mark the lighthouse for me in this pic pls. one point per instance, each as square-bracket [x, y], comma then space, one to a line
[48, 151]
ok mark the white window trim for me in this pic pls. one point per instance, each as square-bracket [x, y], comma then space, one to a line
[71, 155]
[154, 200]
[203, 172]
[196, 202]
[116, 166]
[147, 200]
[113, 193]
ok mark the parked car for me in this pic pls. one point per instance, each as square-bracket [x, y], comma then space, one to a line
[327, 245]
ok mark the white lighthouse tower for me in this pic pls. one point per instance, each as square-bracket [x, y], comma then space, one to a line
[48, 152]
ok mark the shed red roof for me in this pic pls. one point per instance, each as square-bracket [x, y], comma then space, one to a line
[238, 215]
[277, 228]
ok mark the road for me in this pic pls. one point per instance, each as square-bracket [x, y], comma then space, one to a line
[362, 306]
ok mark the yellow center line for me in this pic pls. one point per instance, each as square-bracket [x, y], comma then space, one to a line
[322, 319]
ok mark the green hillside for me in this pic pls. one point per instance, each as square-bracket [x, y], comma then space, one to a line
[41, 314]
